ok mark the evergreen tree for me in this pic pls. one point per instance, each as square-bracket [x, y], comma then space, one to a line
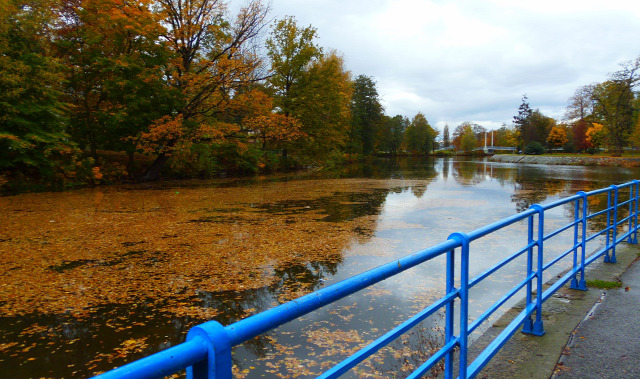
[446, 141]
[366, 114]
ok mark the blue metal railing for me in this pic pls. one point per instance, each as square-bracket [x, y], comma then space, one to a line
[207, 350]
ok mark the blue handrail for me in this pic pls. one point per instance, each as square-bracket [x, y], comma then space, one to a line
[207, 350]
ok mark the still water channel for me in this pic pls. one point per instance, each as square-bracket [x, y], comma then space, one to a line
[92, 279]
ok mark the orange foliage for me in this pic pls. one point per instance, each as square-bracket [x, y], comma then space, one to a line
[162, 134]
[275, 128]
[596, 135]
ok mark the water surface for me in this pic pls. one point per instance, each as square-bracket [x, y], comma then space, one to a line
[95, 278]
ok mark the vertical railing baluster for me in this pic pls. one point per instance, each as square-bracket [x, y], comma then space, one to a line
[607, 243]
[528, 324]
[538, 328]
[576, 218]
[449, 316]
[614, 228]
[631, 197]
[634, 240]
[582, 285]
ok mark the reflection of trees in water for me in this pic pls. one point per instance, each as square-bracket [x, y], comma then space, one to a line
[446, 163]
[528, 192]
[468, 173]
[391, 168]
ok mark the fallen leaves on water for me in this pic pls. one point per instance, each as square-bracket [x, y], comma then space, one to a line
[72, 253]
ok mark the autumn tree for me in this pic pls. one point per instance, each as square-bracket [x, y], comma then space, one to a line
[579, 131]
[477, 130]
[635, 135]
[366, 114]
[596, 135]
[216, 56]
[291, 50]
[557, 137]
[251, 109]
[614, 104]
[505, 136]
[274, 129]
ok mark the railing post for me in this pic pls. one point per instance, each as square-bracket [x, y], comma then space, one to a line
[582, 284]
[536, 327]
[612, 226]
[450, 308]
[464, 241]
[218, 363]
[528, 324]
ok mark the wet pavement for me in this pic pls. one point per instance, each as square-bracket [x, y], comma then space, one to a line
[606, 344]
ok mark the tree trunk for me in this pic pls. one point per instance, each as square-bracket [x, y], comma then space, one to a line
[153, 172]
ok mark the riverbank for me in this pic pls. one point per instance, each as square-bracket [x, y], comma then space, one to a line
[566, 160]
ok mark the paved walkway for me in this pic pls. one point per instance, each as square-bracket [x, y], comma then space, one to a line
[588, 334]
[606, 344]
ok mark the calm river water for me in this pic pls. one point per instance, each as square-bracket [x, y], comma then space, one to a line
[92, 279]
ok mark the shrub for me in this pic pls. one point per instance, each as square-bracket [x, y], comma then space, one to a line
[444, 153]
[534, 148]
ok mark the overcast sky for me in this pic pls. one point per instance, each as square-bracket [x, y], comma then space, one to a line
[472, 60]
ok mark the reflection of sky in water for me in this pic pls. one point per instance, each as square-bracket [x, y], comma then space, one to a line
[463, 198]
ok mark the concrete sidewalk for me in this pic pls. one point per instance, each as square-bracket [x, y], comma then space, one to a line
[588, 334]
[606, 344]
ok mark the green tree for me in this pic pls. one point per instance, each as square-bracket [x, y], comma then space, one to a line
[540, 126]
[322, 105]
[32, 117]
[522, 122]
[291, 50]
[446, 139]
[420, 136]
[391, 133]
[468, 140]
[366, 114]
[115, 64]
